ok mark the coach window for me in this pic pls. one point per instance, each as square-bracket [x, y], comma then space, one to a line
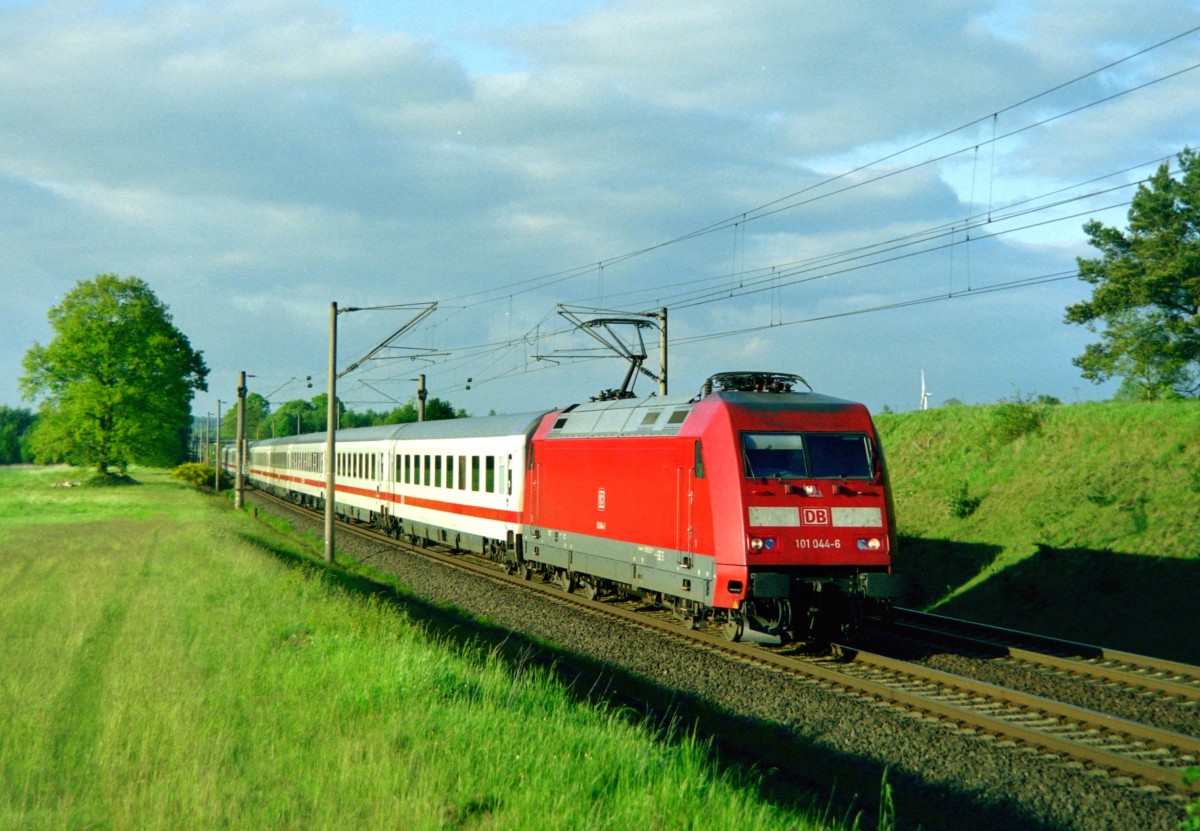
[475, 473]
[437, 471]
[490, 480]
[462, 473]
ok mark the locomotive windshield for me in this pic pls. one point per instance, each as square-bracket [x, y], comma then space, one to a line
[807, 456]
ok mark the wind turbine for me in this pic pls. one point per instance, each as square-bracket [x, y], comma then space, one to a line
[924, 393]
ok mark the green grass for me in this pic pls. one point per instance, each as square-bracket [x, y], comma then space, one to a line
[1085, 525]
[166, 664]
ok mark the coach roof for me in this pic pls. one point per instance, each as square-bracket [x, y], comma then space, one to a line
[450, 428]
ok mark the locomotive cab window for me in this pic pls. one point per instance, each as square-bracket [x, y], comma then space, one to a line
[840, 455]
[807, 456]
[774, 456]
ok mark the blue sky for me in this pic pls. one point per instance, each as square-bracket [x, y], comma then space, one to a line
[853, 192]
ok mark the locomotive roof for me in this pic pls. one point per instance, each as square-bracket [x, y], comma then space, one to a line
[653, 416]
[450, 428]
[811, 401]
[665, 415]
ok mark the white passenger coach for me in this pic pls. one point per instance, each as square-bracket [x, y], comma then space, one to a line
[458, 481]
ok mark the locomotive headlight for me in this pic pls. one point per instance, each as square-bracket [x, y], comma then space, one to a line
[870, 544]
[812, 490]
[758, 544]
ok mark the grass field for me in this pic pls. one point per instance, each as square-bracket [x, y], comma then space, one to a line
[168, 665]
[1081, 520]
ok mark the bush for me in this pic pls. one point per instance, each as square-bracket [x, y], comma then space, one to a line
[962, 505]
[199, 475]
[1018, 416]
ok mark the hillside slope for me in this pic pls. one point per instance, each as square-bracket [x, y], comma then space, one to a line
[1081, 520]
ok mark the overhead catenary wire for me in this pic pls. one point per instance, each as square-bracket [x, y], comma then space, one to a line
[776, 277]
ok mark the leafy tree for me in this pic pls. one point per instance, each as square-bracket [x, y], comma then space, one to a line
[312, 416]
[1147, 291]
[257, 411]
[14, 424]
[117, 380]
[297, 416]
[256, 416]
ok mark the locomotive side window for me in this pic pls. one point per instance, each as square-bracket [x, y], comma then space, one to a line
[807, 456]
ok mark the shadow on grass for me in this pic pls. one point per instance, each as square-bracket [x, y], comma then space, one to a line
[805, 764]
[932, 569]
[1120, 601]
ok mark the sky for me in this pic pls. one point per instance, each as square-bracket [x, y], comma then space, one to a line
[857, 193]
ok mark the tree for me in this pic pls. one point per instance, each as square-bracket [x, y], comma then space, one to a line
[117, 379]
[256, 415]
[14, 424]
[1147, 291]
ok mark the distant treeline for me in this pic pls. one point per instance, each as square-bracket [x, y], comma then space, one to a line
[15, 426]
[300, 416]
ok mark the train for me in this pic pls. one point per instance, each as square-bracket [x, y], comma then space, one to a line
[754, 506]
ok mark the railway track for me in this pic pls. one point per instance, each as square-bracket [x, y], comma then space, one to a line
[1139, 674]
[1133, 753]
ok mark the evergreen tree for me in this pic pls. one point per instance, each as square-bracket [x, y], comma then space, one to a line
[1147, 291]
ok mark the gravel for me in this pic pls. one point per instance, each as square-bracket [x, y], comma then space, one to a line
[940, 777]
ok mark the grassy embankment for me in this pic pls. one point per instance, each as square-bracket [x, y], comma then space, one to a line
[169, 663]
[1087, 526]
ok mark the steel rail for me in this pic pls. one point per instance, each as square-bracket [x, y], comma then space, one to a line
[1141, 672]
[1109, 742]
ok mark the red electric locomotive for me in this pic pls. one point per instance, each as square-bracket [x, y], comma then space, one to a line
[754, 505]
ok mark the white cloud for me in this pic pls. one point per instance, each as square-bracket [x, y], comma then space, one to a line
[255, 162]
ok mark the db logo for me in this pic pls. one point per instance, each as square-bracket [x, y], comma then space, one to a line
[814, 516]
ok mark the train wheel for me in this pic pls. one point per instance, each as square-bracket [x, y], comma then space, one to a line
[690, 618]
[591, 588]
[733, 627]
[567, 581]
